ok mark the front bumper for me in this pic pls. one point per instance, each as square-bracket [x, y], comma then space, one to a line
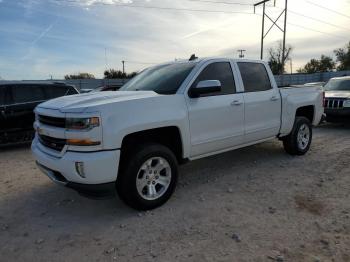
[100, 168]
[88, 190]
[345, 112]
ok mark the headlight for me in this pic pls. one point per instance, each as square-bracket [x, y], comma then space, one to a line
[346, 103]
[82, 123]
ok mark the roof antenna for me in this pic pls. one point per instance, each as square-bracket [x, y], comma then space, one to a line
[193, 57]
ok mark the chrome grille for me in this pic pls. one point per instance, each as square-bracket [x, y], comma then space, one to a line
[334, 103]
[51, 142]
[52, 121]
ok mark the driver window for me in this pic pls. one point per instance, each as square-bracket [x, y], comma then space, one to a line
[221, 71]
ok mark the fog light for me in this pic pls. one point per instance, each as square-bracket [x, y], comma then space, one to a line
[79, 167]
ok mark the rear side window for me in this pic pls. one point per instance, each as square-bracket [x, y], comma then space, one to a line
[27, 93]
[221, 71]
[254, 76]
[55, 91]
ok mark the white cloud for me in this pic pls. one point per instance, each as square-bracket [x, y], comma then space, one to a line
[156, 35]
[106, 2]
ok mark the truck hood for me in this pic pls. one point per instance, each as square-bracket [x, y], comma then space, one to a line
[338, 94]
[84, 103]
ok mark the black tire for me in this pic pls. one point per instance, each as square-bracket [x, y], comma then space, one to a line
[129, 171]
[290, 142]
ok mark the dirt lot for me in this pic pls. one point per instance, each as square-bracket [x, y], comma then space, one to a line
[253, 204]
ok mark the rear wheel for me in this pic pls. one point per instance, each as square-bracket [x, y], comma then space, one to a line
[299, 140]
[148, 177]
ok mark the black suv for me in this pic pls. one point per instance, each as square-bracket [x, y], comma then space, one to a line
[17, 102]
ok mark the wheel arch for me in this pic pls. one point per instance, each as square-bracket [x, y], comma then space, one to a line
[306, 111]
[169, 136]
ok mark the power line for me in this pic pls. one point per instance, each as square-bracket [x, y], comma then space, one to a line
[160, 8]
[188, 9]
[290, 11]
[221, 2]
[328, 9]
[317, 31]
[316, 19]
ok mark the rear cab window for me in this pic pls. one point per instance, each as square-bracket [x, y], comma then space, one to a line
[221, 71]
[254, 76]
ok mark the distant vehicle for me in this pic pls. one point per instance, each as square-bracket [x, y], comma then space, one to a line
[337, 99]
[134, 139]
[107, 88]
[315, 84]
[17, 102]
[86, 90]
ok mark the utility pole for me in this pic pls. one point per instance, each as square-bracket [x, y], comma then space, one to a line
[262, 33]
[284, 36]
[274, 23]
[123, 62]
[106, 63]
[263, 26]
[291, 65]
[241, 53]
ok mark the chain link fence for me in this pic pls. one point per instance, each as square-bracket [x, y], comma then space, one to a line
[300, 79]
[282, 80]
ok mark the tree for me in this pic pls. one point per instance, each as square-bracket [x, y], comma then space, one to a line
[343, 57]
[275, 59]
[112, 73]
[324, 64]
[79, 76]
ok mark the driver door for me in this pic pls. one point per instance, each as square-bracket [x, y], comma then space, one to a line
[216, 119]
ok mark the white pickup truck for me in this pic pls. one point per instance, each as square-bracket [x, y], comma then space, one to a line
[131, 141]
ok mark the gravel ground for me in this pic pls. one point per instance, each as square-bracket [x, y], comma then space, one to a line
[253, 204]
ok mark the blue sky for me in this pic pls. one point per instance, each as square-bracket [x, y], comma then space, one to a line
[40, 38]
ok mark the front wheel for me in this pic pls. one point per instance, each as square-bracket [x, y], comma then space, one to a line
[148, 177]
[299, 140]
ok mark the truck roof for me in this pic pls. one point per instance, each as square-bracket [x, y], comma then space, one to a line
[205, 59]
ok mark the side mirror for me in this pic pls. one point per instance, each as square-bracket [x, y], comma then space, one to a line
[205, 87]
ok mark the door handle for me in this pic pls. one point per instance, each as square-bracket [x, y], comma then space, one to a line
[274, 98]
[236, 103]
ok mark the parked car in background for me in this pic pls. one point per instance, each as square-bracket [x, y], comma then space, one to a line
[133, 140]
[107, 88]
[315, 84]
[17, 102]
[86, 90]
[337, 99]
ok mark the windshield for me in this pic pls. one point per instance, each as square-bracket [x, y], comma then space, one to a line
[338, 85]
[163, 79]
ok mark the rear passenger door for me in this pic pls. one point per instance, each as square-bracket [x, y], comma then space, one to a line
[216, 120]
[24, 99]
[262, 102]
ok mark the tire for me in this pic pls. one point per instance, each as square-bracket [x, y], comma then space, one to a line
[295, 144]
[148, 176]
